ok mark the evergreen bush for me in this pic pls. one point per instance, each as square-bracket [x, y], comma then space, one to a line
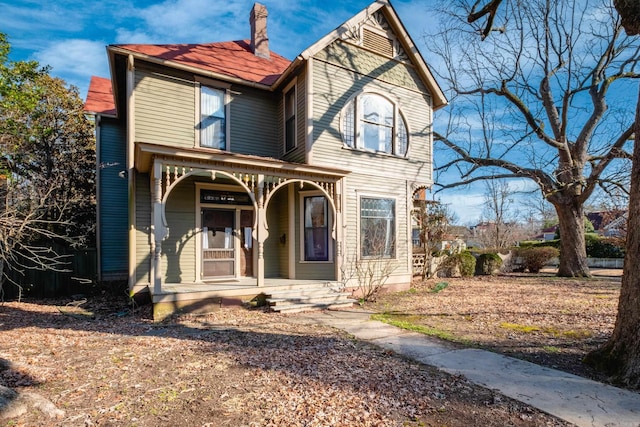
[488, 264]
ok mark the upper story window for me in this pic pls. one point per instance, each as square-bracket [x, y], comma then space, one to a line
[213, 118]
[372, 122]
[290, 119]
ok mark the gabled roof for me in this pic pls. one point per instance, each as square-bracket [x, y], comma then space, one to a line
[235, 61]
[100, 97]
[232, 59]
[345, 30]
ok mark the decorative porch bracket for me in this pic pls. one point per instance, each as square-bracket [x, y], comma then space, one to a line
[166, 175]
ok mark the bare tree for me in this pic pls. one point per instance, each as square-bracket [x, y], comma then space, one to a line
[620, 356]
[500, 213]
[532, 102]
[434, 220]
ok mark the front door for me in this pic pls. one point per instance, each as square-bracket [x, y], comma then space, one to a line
[218, 243]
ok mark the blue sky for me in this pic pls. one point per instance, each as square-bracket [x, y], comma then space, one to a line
[71, 36]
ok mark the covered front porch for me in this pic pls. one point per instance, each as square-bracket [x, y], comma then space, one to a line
[226, 227]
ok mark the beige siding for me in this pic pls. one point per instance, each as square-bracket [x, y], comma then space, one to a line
[254, 127]
[363, 185]
[142, 226]
[179, 249]
[275, 253]
[298, 154]
[164, 109]
[334, 88]
[340, 73]
[370, 64]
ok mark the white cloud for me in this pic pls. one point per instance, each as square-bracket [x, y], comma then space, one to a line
[75, 60]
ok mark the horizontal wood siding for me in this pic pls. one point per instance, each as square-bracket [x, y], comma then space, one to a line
[253, 121]
[113, 201]
[274, 251]
[334, 87]
[179, 249]
[341, 72]
[142, 226]
[164, 109]
[298, 154]
[368, 185]
[367, 63]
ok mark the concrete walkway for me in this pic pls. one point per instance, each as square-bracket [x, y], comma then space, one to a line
[574, 399]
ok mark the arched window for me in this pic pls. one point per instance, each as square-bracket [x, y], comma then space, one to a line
[371, 122]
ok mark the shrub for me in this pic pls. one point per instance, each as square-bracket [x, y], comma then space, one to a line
[487, 264]
[534, 258]
[462, 264]
[599, 247]
[467, 263]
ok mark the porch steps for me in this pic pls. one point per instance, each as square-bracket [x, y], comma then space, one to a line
[309, 299]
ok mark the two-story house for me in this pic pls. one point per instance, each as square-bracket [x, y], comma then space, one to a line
[226, 170]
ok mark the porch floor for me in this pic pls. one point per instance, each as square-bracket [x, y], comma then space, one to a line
[244, 288]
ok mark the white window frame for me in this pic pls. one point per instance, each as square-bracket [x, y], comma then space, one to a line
[395, 220]
[355, 103]
[292, 86]
[225, 88]
[302, 195]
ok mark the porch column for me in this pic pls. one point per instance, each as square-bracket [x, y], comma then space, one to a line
[157, 228]
[339, 234]
[261, 229]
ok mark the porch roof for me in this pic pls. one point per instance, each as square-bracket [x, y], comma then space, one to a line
[205, 158]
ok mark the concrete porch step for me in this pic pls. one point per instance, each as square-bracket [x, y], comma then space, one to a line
[317, 298]
[297, 308]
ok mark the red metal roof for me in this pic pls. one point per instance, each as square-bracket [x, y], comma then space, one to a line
[100, 97]
[233, 59]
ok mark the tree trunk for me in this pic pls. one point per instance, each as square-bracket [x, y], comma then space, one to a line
[573, 252]
[620, 356]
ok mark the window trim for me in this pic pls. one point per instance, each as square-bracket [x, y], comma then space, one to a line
[395, 224]
[302, 195]
[225, 89]
[354, 106]
[292, 86]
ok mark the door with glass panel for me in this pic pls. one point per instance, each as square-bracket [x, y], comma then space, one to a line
[218, 243]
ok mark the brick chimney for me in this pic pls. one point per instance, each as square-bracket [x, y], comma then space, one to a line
[259, 38]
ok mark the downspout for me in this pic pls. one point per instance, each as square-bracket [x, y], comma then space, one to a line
[96, 127]
[131, 170]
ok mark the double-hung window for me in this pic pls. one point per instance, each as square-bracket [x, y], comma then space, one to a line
[213, 118]
[377, 227]
[373, 123]
[316, 228]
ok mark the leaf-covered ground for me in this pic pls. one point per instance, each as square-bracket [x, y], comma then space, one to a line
[547, 320]
[105, 365]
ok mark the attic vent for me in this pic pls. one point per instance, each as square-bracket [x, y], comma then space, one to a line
[377, 43]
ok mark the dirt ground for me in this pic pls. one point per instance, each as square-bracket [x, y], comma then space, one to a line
[546, 320]
[97, 362]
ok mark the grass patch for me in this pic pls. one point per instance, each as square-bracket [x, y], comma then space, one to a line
[551, 349]
[409, 323]
[527, 329]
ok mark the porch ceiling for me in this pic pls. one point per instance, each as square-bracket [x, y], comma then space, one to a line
[242, 163]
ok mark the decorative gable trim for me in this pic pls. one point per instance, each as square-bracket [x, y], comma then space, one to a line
[382, 19]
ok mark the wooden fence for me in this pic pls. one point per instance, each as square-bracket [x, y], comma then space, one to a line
[78, 276]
